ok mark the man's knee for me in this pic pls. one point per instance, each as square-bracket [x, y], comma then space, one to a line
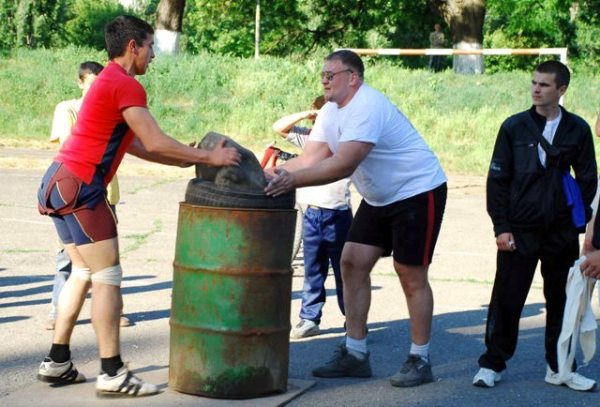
[110, 275]
[412, 277]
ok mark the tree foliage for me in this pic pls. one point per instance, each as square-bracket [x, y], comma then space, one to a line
[38, 23]
[303, 27]
[86, 25]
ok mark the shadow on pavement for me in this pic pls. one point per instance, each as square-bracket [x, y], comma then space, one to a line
[457, 342]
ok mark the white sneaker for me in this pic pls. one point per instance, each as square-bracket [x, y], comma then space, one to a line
[124, 384]
[486, 377]
[304, 329]
[575, 381]
[59, 373]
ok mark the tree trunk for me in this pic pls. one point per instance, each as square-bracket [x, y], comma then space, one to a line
[465, 19]
[169, 20]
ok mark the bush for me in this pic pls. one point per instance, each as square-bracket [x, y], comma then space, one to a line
[86, 28]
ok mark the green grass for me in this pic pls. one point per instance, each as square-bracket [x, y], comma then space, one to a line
[458, 115]
[139, 239]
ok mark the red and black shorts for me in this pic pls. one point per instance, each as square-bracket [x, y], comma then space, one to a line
[409, 228]
[80, 211]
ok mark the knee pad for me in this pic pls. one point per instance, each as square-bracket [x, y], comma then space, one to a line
[82, 273]
[110, 275]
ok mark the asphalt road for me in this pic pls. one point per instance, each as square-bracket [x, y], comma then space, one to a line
[461, 276]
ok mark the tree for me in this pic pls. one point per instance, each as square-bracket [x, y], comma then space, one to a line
[228, 27]
[169, 21]
[465, 19]
[85, 28]
[585, 14]
[39, 23]
[8, 31]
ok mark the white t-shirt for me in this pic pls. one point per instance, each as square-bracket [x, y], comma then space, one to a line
[65, 116]
[548, 133]
[399, 166]
[331, 196]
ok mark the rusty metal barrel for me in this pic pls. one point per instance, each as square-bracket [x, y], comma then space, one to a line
[230, 309]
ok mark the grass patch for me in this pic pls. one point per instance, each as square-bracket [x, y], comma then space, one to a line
[139, 239]
[22, 251]
[458, 115]
[157, 183]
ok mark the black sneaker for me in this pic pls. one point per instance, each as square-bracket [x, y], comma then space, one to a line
[414, 372]
[343, 364]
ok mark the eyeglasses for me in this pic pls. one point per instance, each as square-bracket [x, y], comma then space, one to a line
[330, 75]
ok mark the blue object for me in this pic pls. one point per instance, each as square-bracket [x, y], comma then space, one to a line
[324, 233]
[574, 200]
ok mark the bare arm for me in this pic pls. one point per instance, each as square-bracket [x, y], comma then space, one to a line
[589, 234]
[313, 153]
[137, 148]
[340, 165]
[285, 124]
[153, 144]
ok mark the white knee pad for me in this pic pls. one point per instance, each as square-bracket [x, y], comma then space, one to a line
[82, 273]
[110, 275]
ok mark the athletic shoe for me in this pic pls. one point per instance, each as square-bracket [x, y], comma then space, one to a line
[124, 384]
[304, 329]
[414, 372]
[486, 377]
[344, 364]
[59, 373]
[574, 381]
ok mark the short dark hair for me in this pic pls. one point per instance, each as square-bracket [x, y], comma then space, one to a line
[350, 59]
[89, 67]
[121, 30]
[560, 70]
[318, 103]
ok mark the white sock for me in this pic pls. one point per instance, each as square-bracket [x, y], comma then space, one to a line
[357, 347]
[420, 350]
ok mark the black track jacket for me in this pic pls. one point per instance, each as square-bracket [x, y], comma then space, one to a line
[516, 193]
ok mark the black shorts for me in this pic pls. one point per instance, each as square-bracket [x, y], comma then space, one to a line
[409, 228]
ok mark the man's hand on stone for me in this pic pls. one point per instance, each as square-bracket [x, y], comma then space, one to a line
[282, 183]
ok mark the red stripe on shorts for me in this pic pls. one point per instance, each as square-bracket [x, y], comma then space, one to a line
[430, 223]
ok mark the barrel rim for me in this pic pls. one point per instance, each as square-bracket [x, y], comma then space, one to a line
[220, 208]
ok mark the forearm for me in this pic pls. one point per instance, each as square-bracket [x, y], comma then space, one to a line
[333, 167]
[151, 143]
[170, 150]
[327, 171]
[138, 150]
[298, 163]
[283, 125]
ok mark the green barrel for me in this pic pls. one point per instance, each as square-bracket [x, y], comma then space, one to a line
[230, 308]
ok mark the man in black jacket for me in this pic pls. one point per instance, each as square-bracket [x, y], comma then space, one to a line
[532, 221]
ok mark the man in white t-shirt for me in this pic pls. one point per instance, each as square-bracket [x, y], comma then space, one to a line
[360, 133]
[326, 223]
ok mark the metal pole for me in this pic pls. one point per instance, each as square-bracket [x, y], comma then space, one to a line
[257, 30]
